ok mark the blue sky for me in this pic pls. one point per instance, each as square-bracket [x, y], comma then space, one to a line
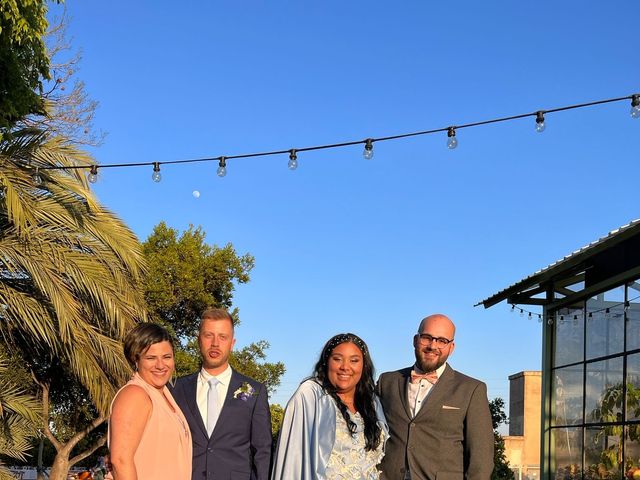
[346, 244]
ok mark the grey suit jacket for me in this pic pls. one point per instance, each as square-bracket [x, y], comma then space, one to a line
[240, 446]
[451, 437]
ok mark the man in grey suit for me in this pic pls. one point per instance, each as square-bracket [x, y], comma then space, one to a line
[228, 413]
[439, 420]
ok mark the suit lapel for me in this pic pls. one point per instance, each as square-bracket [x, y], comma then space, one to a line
[190, 391]
[438, 394]
[403, 378]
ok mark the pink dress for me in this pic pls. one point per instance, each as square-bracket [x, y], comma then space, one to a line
[165, 447]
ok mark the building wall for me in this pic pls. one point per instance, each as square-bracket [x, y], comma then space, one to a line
[522, 445]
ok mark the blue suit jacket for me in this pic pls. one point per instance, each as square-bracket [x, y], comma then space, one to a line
[240, 445]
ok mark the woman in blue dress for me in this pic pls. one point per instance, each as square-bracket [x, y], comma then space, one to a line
[333, 426]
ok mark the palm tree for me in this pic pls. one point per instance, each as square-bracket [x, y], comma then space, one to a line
[18, 419]
[70, 274]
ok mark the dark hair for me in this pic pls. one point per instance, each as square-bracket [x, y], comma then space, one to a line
[365, 389]
[141, 337]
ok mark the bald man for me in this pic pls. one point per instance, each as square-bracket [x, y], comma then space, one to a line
[439, 420]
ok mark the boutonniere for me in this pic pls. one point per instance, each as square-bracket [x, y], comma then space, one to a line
[245, 392]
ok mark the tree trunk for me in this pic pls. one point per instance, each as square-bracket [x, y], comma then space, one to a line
[40, 468]
[60, 467]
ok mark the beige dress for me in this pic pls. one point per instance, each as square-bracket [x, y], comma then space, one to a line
[165, 447]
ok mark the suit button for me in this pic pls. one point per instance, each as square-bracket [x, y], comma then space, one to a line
[412, 425]
[209, 450]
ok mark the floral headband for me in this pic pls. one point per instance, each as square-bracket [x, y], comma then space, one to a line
[344, 338]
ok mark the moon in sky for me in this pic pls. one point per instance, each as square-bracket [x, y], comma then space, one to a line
[196, 194]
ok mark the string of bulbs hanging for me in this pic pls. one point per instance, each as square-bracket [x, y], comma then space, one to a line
[452, 143]
[607, 312]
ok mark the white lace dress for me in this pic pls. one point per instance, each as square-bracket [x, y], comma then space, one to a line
[349, 460]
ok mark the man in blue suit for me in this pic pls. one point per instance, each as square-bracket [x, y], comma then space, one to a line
[228, 413]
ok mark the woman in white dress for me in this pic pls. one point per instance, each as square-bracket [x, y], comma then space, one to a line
[333, 426]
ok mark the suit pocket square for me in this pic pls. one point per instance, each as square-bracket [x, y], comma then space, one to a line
[449, 407]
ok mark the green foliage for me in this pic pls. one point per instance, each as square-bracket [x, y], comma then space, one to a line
[277, 414]
[608, 442]
[186, 275]
[70, 287]
[501, 469]
[69, 269]
[250, 361]
[23, 59]
[19, 416]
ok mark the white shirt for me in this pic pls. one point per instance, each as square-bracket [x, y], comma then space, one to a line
[202, 388]
[418, 392]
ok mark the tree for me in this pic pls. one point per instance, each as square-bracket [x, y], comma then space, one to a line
[69, 111]
[19, 417]
[23, 59]
[501, 469]
[277, 415]
[185, 276]
[70, 276]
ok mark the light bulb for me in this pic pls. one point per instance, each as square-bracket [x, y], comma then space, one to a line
[367, 153]
[37, 178]
[452, 141]
[93, 174]
[293, 160]
[540, 126]
[635, 106]
[156, 176]
[222, 167]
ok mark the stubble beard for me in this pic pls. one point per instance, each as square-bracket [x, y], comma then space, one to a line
[429, 365]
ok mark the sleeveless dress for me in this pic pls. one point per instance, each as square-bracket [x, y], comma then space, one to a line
[165, 447]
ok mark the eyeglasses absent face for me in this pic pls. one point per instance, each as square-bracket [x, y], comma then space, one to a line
[439, 342]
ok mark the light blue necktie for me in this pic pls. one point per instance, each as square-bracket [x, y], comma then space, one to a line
[212, 405]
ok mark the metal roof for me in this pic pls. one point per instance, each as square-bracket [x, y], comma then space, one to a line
[565, 263]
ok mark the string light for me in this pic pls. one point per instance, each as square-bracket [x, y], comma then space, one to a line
[93, 174]
[452, 141]
[635, 106]
[222, 167]
[607, 312]
[540, 126]
[156, 176]
[37, 178]
[293, 160]
[367, 153]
